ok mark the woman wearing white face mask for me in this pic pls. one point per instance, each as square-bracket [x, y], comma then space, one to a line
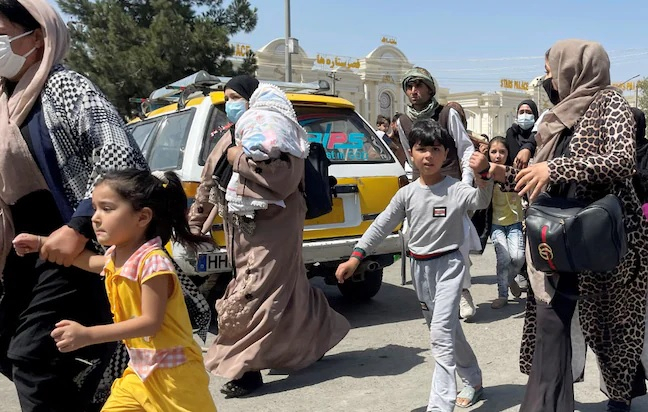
[57, 133]
[520, 138]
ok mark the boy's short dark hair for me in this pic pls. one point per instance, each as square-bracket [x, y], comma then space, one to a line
[382, 120]
[428, 132]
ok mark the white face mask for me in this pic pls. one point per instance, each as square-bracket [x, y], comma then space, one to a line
[525, 120]
[10, 62]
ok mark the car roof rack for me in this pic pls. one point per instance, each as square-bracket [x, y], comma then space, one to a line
[203, 83]
[315, 87]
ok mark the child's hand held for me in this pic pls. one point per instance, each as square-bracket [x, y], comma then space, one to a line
[25, 243]
[70, 336]
[478, 162]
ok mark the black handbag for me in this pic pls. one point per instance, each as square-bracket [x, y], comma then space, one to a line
[223, 169]
[566, 235]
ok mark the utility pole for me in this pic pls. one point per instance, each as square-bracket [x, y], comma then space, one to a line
[636, 88]
[334, 78]
[288, 62]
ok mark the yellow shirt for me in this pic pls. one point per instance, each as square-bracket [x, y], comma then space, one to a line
[507, 207]
[173, 345]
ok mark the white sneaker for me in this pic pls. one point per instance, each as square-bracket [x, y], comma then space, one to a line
[466, 305]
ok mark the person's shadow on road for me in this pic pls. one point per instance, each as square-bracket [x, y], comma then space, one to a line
[392, 304]
[389, 360]
[486, 314]
[496, 399]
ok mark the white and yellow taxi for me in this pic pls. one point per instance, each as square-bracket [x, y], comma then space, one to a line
[179, 137]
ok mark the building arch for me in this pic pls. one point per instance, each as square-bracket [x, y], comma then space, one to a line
[276, 47]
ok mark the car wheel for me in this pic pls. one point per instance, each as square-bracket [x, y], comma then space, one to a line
[363, 290]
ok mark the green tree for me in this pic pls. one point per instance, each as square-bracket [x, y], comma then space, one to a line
[642, 86]
[131, 47]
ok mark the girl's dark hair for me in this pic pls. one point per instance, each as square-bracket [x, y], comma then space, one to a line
[167, 201]
[18, 14]
[502, 140]
[428, 132]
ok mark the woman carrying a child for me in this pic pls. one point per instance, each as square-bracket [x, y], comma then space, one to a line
[270, 316]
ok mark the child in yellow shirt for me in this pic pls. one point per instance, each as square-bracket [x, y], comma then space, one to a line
[136, 213]
[506, 232]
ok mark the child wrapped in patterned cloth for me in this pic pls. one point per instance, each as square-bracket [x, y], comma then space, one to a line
[265, 131]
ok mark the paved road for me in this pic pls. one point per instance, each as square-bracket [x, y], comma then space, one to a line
[384, 363]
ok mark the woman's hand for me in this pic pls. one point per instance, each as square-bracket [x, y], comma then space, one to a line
[26, 243]
[532, 180]
[233, 153]
[63, 246]
[522, 159]
[70, 336]
[478, 162]
[347, 269]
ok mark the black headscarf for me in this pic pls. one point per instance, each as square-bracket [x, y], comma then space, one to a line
[640, 119]
[640, 179]
[532, 105]
[517, 138]
[243, 84]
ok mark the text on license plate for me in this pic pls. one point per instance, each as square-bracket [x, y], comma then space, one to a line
[212, 262]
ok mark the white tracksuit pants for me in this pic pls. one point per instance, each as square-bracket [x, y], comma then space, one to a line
[438, 283]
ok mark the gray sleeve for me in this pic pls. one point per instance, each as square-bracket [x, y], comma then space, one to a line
[473, 198]
[385, 223]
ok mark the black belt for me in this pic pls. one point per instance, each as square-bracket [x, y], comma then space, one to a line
[431, 256]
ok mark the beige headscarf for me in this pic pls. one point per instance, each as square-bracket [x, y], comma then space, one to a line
[19, 174]
[581, 69]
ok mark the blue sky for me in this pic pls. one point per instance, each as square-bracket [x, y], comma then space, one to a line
[467, 45]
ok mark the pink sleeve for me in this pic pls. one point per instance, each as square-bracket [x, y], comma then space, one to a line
[154, 265]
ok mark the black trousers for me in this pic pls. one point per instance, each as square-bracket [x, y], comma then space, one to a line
[551, 385]
[37, 296]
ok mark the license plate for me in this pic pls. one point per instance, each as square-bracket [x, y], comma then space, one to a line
[212, 262]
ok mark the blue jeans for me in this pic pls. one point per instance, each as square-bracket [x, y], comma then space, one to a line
[509, 250]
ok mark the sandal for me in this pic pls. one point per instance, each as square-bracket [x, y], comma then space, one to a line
[248, 383]
[468, 392]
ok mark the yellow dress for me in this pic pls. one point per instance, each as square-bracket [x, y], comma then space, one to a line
[166, 371]
[507, 207]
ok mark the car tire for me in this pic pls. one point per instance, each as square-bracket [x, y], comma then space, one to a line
[363, 290]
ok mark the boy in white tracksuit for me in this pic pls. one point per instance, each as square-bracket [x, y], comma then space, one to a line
[434, 206]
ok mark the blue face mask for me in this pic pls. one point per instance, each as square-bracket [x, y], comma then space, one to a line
[525, 120]
[235, 109]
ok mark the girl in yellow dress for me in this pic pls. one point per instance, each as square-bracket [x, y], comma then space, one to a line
[136, 213]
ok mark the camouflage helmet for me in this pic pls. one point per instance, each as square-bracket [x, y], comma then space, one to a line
[419, 73]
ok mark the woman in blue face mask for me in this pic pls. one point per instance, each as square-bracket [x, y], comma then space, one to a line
[237, 95]
[520, 138]
[238, 91]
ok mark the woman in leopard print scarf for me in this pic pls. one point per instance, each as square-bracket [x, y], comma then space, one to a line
[602, 158]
